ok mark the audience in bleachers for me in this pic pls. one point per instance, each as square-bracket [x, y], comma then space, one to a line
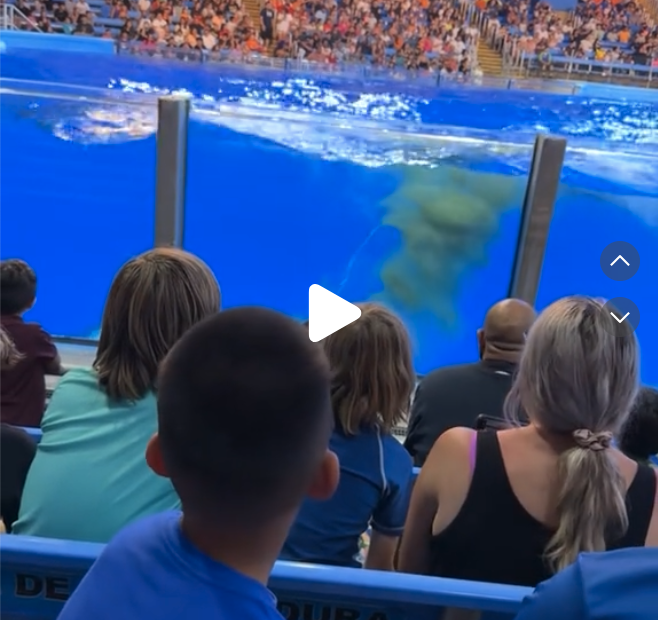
[517, 505]
[456, 395]
[244, 421]
[211, 25]
[429, 35]
[372, 382]
[89, 477]
[34, 355]
[613, 31]
[605, 31]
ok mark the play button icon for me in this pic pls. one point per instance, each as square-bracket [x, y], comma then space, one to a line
[327, 313]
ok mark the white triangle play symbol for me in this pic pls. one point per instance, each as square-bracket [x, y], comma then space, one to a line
[327, 313]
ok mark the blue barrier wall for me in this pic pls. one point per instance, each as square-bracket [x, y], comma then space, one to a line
[563, 5]
[38, 575]
[17, 39]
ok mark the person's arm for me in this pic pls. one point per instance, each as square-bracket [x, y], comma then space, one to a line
[381, 551]
[445, 479]
[52, 363]
[414, 553]
[388, 519]
[560, 597]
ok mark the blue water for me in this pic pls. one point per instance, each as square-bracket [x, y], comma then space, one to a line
[396, 192]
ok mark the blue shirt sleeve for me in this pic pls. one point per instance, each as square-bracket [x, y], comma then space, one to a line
[560, 597]
[390, 514]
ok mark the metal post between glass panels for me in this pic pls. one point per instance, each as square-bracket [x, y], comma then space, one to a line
[171, 170]
[541, 192]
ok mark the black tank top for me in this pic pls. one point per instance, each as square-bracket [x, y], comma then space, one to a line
[494, 539]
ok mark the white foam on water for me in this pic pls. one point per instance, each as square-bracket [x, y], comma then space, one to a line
[371, 142]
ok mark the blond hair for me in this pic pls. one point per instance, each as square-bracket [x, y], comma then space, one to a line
[578, 378]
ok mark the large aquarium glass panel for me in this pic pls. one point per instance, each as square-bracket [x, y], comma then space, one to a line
[607, 196]
[400, 192]
[77, 194]
[420, 221]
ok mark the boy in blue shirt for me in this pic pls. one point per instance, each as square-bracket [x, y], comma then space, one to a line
[244, 420]
[617, 585]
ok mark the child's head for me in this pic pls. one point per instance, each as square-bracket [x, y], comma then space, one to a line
[639, 436]
[154, 299]
[18, 286]
[372, 371]
[244, 419]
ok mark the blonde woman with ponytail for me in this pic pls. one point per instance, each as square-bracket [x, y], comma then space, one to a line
[518, 505]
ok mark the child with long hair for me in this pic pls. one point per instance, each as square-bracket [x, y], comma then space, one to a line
[372, 383]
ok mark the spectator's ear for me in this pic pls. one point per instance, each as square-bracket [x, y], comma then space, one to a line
[154, 457]
[326, 478]
[481, 342]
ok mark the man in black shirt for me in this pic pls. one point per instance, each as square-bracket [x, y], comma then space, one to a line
[456, 395]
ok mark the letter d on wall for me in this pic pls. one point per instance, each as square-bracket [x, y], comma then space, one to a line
[28, 585]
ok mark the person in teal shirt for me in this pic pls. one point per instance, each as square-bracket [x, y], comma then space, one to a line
[89, 477]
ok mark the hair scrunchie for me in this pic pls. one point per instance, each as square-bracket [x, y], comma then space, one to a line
[590, 440]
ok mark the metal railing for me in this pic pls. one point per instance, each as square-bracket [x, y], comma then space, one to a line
[368, 73]
[347, 69]
[527, 65]
[517, 62]
[14, 19]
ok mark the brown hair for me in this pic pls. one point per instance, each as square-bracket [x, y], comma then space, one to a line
[372, 372]
[18, 286]
[154, 299]
[9, 354]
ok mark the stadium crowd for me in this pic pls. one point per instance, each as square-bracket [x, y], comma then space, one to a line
[429, 35]
[432, 35]
[605, 31]
[276, 448]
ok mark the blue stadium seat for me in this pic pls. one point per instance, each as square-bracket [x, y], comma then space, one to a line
[108, 21]
[35, 433]
[37, 575]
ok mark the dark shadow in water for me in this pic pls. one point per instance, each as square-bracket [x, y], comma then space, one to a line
[446, 217]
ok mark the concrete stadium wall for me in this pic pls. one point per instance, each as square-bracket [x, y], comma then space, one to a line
[17, 39]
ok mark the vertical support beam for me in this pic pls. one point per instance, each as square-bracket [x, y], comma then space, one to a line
[541, 192]
[171, 170]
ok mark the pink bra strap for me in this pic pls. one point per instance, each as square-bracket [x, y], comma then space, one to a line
[473, 451]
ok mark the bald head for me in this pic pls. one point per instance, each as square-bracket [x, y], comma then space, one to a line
[504, 330]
